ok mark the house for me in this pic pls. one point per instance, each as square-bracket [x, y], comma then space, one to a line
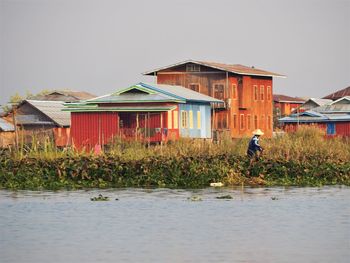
[333, 118]
[338, 94]
[246, 91]
[41, 119]
[64, 95]
[314, 103]
[146, 112]
[285, 105]
[7, 133]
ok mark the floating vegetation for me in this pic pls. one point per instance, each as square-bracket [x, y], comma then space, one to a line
[224, 197]
[274, 198]
[303, 158]
[194, 198]
[100, 198]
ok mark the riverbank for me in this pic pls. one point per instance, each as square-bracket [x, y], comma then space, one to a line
[305, 158]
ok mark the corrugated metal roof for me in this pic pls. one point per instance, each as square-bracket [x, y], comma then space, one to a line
[285, 98]
[320, 102]
[338, 94]
[234, 68]
[129, 97]
[123, 109]
[180, 92]
[53, 110]
[6, 126]
[66, 95]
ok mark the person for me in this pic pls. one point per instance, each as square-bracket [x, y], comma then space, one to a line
[254, 146]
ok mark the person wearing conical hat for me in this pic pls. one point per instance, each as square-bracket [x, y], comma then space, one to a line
[254, 146]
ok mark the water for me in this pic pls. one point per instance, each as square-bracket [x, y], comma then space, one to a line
[161, 225]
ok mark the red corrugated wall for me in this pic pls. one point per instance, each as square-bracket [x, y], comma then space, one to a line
[342, 128]
[91, 128]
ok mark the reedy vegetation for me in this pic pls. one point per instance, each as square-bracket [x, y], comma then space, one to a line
[305, 157]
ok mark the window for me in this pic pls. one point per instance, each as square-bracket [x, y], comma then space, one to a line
[268, 93]
[248, 121]
[331, 128]
[269, 125]
[193, 68]
[190, 113]
[224, 121]
[262, 92]
[219, 91]
[194, 86]
[176, 119]
[183, 119]
[262, 123]
[170, 119]
[242, 121]
[235, 121]
[255, 122]
[234, 91]
[256, 92]
[198, 119]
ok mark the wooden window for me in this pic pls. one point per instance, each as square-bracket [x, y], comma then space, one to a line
[184, 120]
[176, 119]
[268, 93]
[190, 115]
[193, 68]
[241, 122]
[235, 121]
[262, 95]
[198, 119]
[255, 122]
[170, 119]
[219, 91]
[256, 92]
[248, 121]
[269, 122]
[234, 91]
[224, 121]
[194, 86]
[262, 123]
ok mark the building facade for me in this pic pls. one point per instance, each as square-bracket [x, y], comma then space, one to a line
[246, 91]
[145, 112]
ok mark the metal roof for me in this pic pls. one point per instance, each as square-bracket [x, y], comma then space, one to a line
[122, 109]
[53, 110]
[233, 68]
[180, 92]
[340, 105]
[6, 126]
[66, 95]
[288, 99]
[338, 94]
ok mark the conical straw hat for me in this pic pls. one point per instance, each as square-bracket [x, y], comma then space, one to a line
[258, 132]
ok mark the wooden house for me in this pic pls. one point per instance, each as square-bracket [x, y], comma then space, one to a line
[65, 95]
[313, 103]
[246, 91]
[285, 105]
[42, 119]
[333, 118]
[146, 112]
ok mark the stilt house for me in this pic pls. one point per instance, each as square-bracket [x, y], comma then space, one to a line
[246, 91]
[146, 112]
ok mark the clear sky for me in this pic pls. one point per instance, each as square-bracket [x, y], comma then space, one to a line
[103, 45]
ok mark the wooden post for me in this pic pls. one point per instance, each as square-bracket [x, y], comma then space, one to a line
[15, 125]
[137, 125]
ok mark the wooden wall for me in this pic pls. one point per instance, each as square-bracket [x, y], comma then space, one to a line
[244, 112]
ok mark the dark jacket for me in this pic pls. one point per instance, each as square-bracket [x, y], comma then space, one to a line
[254, 146]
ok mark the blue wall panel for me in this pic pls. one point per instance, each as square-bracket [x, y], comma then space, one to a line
[205, 128]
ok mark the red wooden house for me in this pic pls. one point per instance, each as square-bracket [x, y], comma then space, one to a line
[246, 91]
[285, 105]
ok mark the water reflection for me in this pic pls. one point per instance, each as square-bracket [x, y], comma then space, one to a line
[162, 225]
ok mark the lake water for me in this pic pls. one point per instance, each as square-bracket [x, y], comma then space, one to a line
[162, 225]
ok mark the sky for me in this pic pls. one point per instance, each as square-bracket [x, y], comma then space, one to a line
[103, 45]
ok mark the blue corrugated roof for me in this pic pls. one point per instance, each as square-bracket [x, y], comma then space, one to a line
[6, 126]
